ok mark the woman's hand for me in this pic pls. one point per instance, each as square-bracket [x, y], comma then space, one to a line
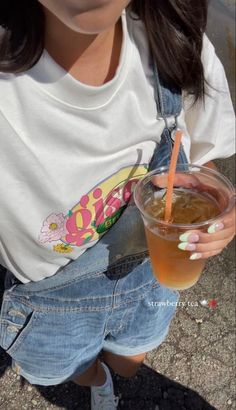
[203, 245]
[220, 234]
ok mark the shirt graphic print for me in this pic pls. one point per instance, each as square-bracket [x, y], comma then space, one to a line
[95, 213]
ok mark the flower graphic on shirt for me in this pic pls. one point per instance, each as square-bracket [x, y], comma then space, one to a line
[61, 248]
[53, 228]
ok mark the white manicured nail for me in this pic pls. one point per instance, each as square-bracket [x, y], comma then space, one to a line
[195, 256]
[185, 246]
[215, 227]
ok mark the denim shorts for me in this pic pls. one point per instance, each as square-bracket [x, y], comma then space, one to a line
[54, 329]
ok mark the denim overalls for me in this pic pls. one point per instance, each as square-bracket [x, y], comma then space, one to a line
[107, 299]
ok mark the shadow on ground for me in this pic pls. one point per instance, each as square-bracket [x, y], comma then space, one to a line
[148, 390]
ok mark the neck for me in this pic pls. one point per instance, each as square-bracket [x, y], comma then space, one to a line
[83, 53]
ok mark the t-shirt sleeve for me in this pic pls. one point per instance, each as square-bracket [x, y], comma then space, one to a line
[211, 123]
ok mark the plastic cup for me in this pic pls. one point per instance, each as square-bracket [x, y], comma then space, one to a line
[172, 266]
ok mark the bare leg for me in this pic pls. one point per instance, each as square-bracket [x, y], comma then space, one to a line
[94, 375]
[126, 366]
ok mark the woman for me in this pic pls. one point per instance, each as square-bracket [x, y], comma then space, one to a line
[78, 128]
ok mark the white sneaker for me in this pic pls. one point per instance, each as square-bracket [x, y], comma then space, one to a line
[104, 399]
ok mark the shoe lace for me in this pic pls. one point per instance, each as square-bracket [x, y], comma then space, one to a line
[108, 402]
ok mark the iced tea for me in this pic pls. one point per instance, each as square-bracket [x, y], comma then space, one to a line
[172, 266]
[201, 197]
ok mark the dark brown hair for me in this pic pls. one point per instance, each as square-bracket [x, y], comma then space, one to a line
[174, 28]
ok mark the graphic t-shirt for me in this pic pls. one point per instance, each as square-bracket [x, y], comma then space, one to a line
[71, 153]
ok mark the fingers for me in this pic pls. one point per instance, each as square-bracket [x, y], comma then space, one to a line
[209, 246]
[186, 181]
[204, 255]
[207, 254]
[206, 238]
[204, 245]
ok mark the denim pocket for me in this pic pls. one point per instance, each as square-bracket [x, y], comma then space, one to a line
[15, 323]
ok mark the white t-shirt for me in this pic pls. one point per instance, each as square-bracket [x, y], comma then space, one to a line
[71, 153]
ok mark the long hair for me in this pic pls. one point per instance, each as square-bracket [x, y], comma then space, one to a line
[174, 28]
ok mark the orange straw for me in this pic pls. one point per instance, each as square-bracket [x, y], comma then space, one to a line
[171, 175]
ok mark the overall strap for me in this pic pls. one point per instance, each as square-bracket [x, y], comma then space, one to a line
[168, 99]
[169, 106]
